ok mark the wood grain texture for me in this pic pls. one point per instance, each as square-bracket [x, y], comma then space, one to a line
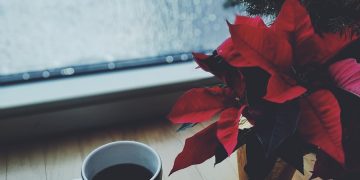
[3, 157]
[281, 170]
[26, 162]
[241, 160]
[63, 159]
[90, 141]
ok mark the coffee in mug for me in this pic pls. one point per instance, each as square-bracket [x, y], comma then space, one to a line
[122, 160]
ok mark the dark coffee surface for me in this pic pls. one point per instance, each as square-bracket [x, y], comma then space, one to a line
[124, 172]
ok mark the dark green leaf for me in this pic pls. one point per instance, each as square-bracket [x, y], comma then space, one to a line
[220, 153]
[326, 15]
[292, 151]
[287, 117]
[350, 115]
[275, 123]
[186, 126]
[258, 164]
[327, 168]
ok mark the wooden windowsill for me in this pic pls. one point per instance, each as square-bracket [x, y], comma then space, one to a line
[60, 158]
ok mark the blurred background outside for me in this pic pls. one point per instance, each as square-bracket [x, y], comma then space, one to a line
[36, 35]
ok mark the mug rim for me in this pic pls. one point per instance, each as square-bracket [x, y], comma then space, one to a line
[158, 169]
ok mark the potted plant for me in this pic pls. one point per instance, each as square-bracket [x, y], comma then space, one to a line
[287, 89]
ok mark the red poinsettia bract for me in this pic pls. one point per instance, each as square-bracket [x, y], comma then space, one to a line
[205, 104]
[268, 48]
[297, 60]
[346, 74]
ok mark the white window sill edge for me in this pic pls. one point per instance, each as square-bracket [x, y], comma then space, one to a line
[28, 94]
[40, 110]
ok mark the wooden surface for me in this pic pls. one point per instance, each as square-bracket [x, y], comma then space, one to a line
[2, 164]
[241, 160]
[31, 161]
[60, 158]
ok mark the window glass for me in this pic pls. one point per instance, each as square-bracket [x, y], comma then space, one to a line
[43, 34]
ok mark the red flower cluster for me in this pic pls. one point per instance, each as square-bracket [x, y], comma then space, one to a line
[301, 66]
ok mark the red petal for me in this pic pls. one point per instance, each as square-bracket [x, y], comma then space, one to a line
[251, 21]
[197, 149]
[227, 50]
[346, 74]
[199, 57]
[228, 128]
[230, 54]
[197, 105]
[281, 89]
[320, 123]
[293, 19]
[262, 47]
[309, 47]
[238, 85]
[320, 49]
[272, 53]
[234, 78]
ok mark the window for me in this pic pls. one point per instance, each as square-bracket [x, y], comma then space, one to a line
[48, 39]
[41, 39]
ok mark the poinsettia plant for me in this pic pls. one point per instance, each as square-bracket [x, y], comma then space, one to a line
[298, 88]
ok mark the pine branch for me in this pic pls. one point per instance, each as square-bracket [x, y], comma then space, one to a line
[326, 15]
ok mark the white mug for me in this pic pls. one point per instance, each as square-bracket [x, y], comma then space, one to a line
[121, 152]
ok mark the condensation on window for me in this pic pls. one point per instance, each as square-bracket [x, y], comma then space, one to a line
[43, 34]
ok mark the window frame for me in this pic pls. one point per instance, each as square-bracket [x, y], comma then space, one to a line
[49, 107]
